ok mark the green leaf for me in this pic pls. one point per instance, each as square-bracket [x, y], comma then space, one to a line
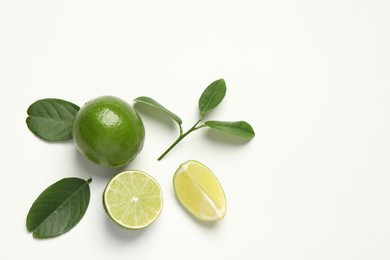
[239, 128]
[52, 119]
[151, 102]
[58, 208]
[212, 96]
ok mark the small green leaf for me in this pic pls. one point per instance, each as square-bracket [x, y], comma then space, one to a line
[58, 208]
[52, 119]
[239, 128]
[151, 102]
[212, 96]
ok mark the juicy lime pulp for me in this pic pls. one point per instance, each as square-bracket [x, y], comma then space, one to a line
[133, 199]
[108, 131]
[199, 191]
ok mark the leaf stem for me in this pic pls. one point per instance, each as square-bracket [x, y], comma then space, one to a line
[181, 137]
[181, 129]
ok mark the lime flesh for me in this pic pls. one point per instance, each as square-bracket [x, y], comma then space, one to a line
[199, 191]
[133, 199]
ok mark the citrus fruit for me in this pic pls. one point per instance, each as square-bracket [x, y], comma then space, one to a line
[108, 131]
[199, 191]
[133, 199]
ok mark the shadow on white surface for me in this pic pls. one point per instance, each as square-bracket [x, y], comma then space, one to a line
[91, 170]
[123, 234]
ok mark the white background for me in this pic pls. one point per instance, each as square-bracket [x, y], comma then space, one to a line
[312, 77]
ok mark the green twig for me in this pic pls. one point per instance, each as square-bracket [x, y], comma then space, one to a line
[181, 137]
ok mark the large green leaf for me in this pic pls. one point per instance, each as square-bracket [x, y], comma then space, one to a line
[212, 96]
[58, 208]
[240, 128]
[52, 119]
[151, 102]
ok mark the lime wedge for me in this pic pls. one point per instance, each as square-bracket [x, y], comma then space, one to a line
[133, 199]
[199, 191]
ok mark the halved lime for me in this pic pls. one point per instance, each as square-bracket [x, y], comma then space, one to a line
[199, 191]
[133, 199]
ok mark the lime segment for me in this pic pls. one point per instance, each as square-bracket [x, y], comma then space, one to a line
[133, 199]
[199, 191]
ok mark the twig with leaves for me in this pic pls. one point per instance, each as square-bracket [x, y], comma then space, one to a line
[211, 97]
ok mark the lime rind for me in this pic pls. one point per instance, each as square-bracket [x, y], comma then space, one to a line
[108, 131]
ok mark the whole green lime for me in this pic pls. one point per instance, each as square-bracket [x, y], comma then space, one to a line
[108, 131]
